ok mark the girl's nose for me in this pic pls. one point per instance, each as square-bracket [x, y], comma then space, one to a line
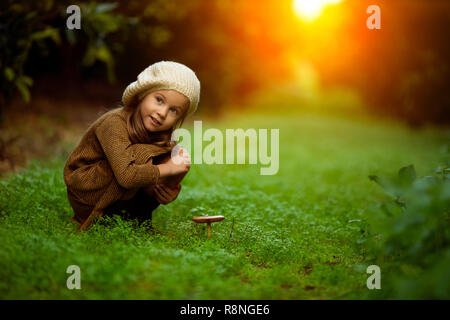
[162, 112]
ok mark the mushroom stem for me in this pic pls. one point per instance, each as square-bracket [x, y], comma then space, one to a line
[208, 220]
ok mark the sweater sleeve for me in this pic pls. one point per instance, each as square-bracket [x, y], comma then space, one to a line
[113, 138]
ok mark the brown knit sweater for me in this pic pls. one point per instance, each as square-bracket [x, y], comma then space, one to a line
[106, 166]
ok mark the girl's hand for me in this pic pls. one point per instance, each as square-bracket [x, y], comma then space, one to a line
[178, 165]
[165, 194]
[181, 163]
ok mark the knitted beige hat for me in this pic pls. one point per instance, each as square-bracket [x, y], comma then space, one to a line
[165, 75]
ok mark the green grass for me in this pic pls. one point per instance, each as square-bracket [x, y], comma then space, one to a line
[294, 235]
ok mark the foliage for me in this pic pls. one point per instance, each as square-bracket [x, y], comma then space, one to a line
[99, 25]
[200, 34]
[42, 25]
[237, 49]
[415, 233]
[23, 25]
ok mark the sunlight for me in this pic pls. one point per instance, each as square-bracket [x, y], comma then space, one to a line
[311, 9]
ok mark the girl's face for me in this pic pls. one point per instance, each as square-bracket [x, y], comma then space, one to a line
[161, 109]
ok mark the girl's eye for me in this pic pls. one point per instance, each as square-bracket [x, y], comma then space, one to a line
[159, 99]
[173, 109]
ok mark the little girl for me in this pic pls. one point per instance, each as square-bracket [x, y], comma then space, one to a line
[123, 161]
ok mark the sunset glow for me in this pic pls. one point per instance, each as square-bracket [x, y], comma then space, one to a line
[309, 10]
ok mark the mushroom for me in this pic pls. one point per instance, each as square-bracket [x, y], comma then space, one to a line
[208, 219]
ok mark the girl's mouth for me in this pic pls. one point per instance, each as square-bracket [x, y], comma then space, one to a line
[154, 121]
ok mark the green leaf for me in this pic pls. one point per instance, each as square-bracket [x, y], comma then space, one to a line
[407, 175]
[27, 80]
[52, 33]
[104, 54]
[24, 91]
[374, 178]
[9, 74]
[89, 56]
[381, 182]
[104, 7]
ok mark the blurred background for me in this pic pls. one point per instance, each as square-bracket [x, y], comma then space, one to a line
[290, 55]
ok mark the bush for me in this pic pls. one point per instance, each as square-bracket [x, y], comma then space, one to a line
[41, 25]
[410, 234]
